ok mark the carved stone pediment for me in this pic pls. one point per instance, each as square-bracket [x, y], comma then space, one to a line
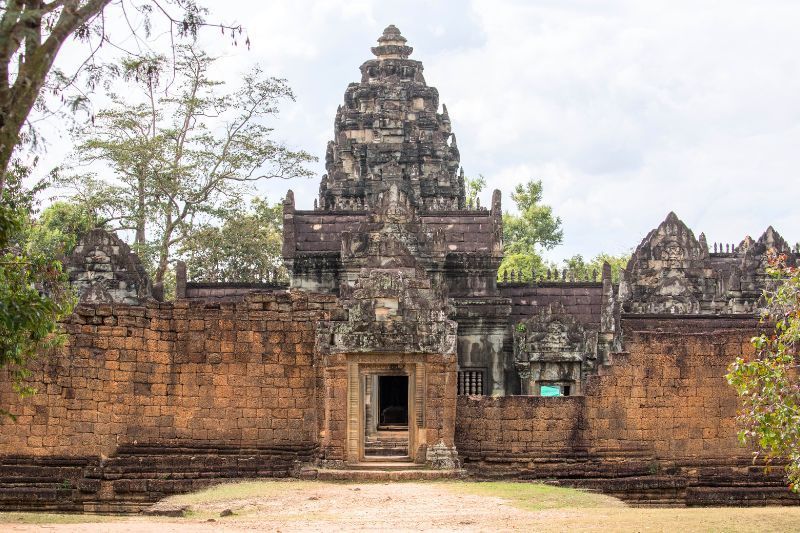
[552, 347]
[103, 269]
[392, 286]
[671, 272]
[672, 244]
[668, 272]
[674, 294]
[771, 241]
[552, 335]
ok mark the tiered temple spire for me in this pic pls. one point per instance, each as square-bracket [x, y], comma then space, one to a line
[389, 131]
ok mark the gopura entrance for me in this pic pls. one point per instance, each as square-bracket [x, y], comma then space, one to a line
[389, 235]
[386, 405]
[399, 408]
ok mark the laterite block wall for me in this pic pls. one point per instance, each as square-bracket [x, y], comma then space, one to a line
[239, 373]
[657, 425]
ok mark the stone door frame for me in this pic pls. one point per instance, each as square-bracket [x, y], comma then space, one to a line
[358, 369]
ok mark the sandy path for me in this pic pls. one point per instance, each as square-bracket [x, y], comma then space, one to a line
[397, 507]
[330, 507]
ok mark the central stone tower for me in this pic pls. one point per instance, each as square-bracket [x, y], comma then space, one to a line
[413, 268]
[389, 131]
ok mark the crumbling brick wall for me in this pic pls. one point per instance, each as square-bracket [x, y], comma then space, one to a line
[657, 424]
[239, 373]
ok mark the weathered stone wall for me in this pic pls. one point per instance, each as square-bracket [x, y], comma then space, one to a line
[660, 420]
[669, 389]
[239, 373]
[582, 300]
[509, 425]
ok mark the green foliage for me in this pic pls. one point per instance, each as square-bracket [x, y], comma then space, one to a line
[585, 270]
[184, 154]
[32, 34]
[769, 382]
[57, 230]
[473, 187]
[525, 266]
[246, 247]
[526, 233]
[34, 293]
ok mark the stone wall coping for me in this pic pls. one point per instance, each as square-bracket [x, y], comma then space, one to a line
[550, 284]
[744, 317]
[235, 285]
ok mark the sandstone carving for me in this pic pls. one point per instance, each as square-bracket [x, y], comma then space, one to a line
[103, 269]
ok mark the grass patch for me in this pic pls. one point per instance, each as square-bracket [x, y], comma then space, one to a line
[535, 496]
[54, 518]
[239, 490]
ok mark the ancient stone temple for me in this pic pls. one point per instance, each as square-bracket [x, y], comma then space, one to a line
[393, 351]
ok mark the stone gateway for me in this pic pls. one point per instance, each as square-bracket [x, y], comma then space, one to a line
[393, 348]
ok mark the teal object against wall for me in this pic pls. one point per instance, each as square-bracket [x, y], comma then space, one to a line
[550, 390]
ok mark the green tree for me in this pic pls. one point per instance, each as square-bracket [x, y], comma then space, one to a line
[473, 187]
[34, 294]
[585, 270]
[527, 233]
[32, 33]
[57, 230]
[768, 383]
[246, 247]
[183, 158]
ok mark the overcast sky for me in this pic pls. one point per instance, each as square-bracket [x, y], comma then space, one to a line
[625, 110]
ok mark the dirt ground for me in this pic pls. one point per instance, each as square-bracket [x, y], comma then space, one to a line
[434, 506]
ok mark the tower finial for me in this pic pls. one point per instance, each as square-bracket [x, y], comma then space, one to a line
[392, 45]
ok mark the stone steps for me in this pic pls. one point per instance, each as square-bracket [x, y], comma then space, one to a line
[382, 474]
[386, 452]
[381, 446]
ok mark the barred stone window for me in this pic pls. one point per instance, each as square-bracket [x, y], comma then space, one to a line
[470, 381]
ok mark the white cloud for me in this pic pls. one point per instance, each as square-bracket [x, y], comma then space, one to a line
[633, 110]
[626, 110]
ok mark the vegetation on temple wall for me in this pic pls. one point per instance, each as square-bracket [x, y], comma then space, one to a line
[184, 154]
[55, 232]
[473, 186]
[245, 248]
[34, 294]
[534, 229]
[768, 383]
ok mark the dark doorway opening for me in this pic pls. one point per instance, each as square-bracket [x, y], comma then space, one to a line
[393, 402]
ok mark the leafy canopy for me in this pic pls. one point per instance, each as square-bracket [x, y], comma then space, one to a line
[32, 33]
[184, 155]
[587, 269]
[525, 234]
[473, 187]
[768, 383]
[246, 247]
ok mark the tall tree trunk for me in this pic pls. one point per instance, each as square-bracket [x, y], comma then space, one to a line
[140, 216]
[163, 262]
[7, 143]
